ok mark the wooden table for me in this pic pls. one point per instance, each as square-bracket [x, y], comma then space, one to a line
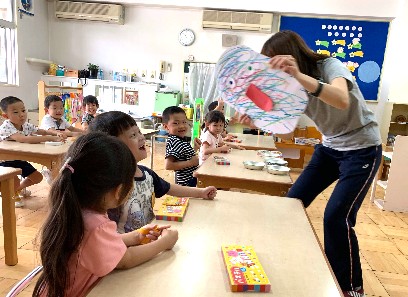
[255, 142]
[48, 155]
[277, 228]
[301, 150]
[237, 176]
[7, 175]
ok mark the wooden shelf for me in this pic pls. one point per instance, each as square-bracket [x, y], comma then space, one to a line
[395, 186]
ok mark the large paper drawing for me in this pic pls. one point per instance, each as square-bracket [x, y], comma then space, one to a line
[272, 98]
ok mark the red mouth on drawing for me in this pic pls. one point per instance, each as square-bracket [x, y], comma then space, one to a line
[259, 98]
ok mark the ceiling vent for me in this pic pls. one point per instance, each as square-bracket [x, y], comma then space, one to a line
[108, 13]
[234, 20]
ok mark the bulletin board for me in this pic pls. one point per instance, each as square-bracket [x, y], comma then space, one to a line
[360, 45]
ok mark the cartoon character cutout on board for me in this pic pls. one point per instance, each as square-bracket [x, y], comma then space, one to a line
[273, 99]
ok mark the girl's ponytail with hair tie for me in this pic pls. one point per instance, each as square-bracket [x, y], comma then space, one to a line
[66, 165]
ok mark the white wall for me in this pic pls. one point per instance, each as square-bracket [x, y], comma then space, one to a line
[32, 38]
[150, 35]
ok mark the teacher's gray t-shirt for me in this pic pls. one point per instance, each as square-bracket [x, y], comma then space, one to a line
[343, 130]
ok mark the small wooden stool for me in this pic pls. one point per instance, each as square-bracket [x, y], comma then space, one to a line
[7, 175]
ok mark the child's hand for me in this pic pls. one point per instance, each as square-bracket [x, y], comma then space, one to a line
[220, 106]
[225, 148]
[209, 193]
[170, 236]
[150, 232]
[62, 136]
[194, 161]
[247, 121]
[55, 138]
[147, 234]
[197, 144]
[229, 137]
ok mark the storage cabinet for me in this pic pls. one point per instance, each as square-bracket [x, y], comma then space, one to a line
[164, 100]
[135, 98]
[395, 189]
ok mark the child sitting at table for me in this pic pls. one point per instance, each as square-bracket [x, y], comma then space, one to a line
[180, 155]
[54, 119]
[211, 139]
[90, 105]
[16, 128]
[219, 105]
[138, 210]
[79, 244]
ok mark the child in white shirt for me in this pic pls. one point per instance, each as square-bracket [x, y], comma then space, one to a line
[211, 139]
[54, 119]
[16, 128]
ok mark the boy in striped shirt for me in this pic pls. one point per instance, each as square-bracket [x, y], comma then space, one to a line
[180, 155]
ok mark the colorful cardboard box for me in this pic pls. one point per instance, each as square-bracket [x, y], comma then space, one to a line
[245, 272]
[172, 209]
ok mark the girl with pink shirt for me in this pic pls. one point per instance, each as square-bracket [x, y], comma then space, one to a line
[79, 244]
[211, 139]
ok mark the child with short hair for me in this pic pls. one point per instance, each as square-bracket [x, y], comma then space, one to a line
[16, 128]
[180, 155]
[79, 244]
[90, 105]
[138, 210]
[211, 139]
[54, 119]
[219, 105]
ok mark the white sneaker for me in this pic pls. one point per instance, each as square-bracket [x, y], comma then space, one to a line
[25, 193]
[19, 203]
[47, 175]
[17, 200]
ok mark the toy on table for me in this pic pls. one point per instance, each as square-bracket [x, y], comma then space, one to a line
[245, 272]
[273, 99]
[172, 209]
[221, 160]
[146, 231]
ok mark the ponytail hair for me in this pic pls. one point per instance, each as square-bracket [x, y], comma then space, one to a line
[97, 163]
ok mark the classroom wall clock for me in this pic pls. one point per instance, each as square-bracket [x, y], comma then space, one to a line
[186, 37]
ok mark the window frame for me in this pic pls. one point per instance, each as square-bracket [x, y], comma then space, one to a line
[9, 29]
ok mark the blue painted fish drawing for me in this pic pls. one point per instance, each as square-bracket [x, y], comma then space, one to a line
[272, 98]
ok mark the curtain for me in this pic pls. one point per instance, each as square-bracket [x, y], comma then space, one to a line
[202, 83]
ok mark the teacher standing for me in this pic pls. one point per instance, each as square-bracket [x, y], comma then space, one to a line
[349, 154]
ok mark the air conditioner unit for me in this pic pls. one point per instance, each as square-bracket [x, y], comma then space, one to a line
[108, 13]
[234, 20]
